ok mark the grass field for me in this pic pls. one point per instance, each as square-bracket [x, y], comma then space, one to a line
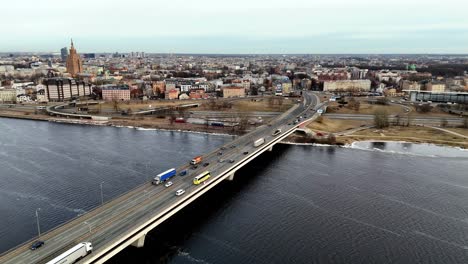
[415, 134]
[365, 108]
[337, 125]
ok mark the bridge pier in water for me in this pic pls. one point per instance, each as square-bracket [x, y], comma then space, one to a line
[231, 176]
[140, 242]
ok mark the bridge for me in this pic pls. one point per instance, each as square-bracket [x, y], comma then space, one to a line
[126, 220]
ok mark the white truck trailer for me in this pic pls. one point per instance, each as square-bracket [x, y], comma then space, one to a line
[73, 254]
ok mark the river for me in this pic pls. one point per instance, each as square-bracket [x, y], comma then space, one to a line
[374, 203]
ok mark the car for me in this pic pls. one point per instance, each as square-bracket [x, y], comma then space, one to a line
[232, 146]
[183, 173]
[168, 184]
[231, 161]
[223, 148]
[245, 152]
[206, 164]
[220, 153]
[37, 244]
[194, 166]
[180, 192]
[221, 160]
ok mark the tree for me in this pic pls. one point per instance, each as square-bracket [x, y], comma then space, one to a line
[465, 122]
[115, 103]
[381, 119]
[443, 122]
[425, 108]
[382, 101]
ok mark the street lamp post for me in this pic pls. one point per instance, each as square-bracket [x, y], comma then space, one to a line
[102, 195]
[89, 225]
[37, 220]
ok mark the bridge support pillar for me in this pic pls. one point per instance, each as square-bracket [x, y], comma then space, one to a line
[230, 177]
[271, 148]
[139, 243]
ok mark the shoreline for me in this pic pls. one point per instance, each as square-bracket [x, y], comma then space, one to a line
[341, 141]
[119, 125]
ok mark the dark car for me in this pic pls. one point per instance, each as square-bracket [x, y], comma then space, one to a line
[232, 146]
[194, 166]
[206, 164]
[37, 245]
[220, 153]
[246, 152]
[231, 161]
[183, 173]
[223, 148]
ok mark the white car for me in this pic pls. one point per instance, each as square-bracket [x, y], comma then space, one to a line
[168, 184]
[180, 192]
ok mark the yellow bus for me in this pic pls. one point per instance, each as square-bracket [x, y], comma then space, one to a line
[201, 178]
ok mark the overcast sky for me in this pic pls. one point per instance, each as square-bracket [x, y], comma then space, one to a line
[236, 26]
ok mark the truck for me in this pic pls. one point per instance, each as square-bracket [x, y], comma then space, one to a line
[259, 142]
[164, 176]
[73, 254]
[196, 160]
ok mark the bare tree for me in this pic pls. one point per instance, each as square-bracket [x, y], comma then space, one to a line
[443, 122]
[381, 119]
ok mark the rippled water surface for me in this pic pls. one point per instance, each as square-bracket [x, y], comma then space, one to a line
[297, 204]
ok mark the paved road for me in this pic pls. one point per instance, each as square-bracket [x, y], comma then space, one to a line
[109, 222]
[429, 120]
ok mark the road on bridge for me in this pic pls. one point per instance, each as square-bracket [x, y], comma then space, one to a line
[113, 226]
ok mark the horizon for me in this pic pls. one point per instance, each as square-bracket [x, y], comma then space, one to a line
[241, 27]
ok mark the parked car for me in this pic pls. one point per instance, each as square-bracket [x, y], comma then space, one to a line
[168, 184]
[180, 192]
[37, 244]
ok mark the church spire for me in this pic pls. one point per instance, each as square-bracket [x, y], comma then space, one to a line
[72, 43]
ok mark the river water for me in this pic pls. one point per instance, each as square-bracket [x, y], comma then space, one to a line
[373, 203]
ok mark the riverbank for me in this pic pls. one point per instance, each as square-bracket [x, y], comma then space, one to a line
[156, 124]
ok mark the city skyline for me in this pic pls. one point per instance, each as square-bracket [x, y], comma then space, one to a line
[241, 27]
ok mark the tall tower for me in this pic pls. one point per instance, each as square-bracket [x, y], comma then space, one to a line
[74, 65]
[64, 54]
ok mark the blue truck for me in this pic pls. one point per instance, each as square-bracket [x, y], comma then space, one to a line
[164, 176]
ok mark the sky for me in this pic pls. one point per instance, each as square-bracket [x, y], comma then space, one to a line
[236, 26]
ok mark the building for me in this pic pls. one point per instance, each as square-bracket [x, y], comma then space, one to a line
[435, 87]
[358, 74]
[306, 84]
[444, 97]
[197, 93]
[61, 89]
[386, 75]
[64, 54]
[74, 64]
[347, 85]
[113, 92]
[409, 85]
[172, 94]
[233, 91]
[286, 88]
[159, 87]
[8, 96]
